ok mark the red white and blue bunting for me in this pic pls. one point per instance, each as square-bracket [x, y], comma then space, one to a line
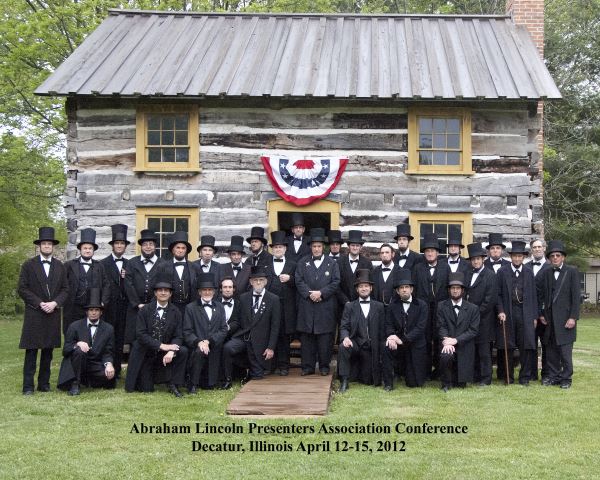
[303, 181]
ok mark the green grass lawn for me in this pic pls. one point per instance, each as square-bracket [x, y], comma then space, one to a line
[513, 432]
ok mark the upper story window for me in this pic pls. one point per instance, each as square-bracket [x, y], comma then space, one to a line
[167, 138]
[439, 141]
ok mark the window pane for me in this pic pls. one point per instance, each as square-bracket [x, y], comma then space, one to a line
[439, 141]
[181, 138]
[168, 154]
[154, 154]
[168, 123]
[439, 158]
[154, 224]
[181, 155]
[453, 125]
[425, 125]
[424, 141]
[181, 225]
[439, 125]
[167, 138]
[424, 158]
[153, 122]
[454, 229]
[168, 225]
[453, 141]
[441, 230]
[453, 158]
[181, 122]
[153, 137]
[425, 228]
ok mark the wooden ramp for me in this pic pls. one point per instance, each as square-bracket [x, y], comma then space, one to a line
[291, 396]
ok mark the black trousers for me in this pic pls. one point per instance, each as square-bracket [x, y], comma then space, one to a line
[539, 334]
[559, 359]
[235, 347]
[29, 368]
[198, 361]
[414, 375]
[448, 369]
[483, 363]
[361, 357]
[433, 342]
[316, 347]
[153, 371]
[282, 351]
[118, 321]
[518, 334]
[90, 373]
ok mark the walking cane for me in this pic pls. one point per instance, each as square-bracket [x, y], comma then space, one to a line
[506, 380]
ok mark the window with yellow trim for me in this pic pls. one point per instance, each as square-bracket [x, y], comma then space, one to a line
[442, 224]
[167, 138]
[439, 141]
[165, 221]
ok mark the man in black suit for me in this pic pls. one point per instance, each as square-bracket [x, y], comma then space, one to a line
[335, 244]
[204, 330]
[405, 257]
[560, 296]
[349, 264]
[44, 288]
[83, 274]
[140, 277]
[236, 270]
[258, 252]
[495, 248]
[518, 311]
[431, 285]
[255, 335]
[282, 283]
[383, 275]
[458, 324]
[207, 250]
[482, 290]
[361, 332]
[230, 300]
[88, 351]
[406, 344]
[115, 313]
[181, 273]
[297, 243]
[158, 354]
[455, 261]
[317, 281]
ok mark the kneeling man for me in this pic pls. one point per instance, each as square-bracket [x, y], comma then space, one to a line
[88, 350]
[158, 354]
[361, 331]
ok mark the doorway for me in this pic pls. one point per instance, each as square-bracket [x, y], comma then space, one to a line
[323, 213]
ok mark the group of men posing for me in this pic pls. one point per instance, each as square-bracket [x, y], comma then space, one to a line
[416, 316]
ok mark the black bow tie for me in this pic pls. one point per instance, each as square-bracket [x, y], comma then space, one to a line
[457, 307]
[386, 269]
[238, 268]
[46, 261]
[278, 259]
[179, 263]
[556, 269]
[209, 304]
[366, 302]
[496, 262]
[205, 265]
[316, 259]
[406, 301]
[354, 261]
[453, 261]
[158, 309]
[431, 266]
[297, 239]
[402, 257]
[83, 262]
[477, 270]
[94, 324]
[228, 303]
[147, 261]
[118, 260]
[539, 264]
[334, 255]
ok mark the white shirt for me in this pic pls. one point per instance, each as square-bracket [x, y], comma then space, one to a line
[431, 269]
[255, 305]
[148, 266]
[86, 263]
[556, 273]
[205, 267]
[318, 262]
[297, 244]
[353, 265]
[459, 303]
[475, 275]
[453, 266]
[161, 312]
[402, 261]
[118, 264]
[387, 274]
[46, 265]
[406, 306]
[179, 268]
[228, 310]
[93, 328]
[537, 268]
[365, 307]
[208, 309]
[278, 266]
[520, 270]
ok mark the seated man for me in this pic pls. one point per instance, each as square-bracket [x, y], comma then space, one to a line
[158, 354]
[361, 332]
[88, 350]
[255, 335]
[458, 325]
[204, 330]
[406, 343]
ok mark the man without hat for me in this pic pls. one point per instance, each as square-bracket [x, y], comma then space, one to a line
[44, 288]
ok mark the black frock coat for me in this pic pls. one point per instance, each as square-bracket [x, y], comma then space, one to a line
[197, 327]
[560, 300]
[241, 281]
[530, 307]
[262, 327]
[101, 350]
[347, 290]
[286, 293]
[411, 259]
[484, 294]
[383, 291]
[464, 328]
[264, 258]
[144, 341]
[319, 317]
[40, 329]
[115, 312]
[304, 249]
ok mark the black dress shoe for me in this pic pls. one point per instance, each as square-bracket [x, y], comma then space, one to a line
[387, 388]
[307, 372]
[74, 390]
[344, 385]
[525, 383]
[546, 382]
[175, 391]
[192, 389]
[324, 372]
[246, 379]
[227, 384]
[565, 385]
[445, 388]
[284, 372]
[44, 388]
[27, 392]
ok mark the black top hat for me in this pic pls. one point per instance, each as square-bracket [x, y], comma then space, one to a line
[163, 281]
[297, 219]
[94, 301]
[430, 240]
[362, 275]
[355, 236]
[278, 238]
[237, 244]
[403, 230]
[518, 246]
[207, 241]
[318, 235]
[148, 236]
[455, 239]
[206, 280]
[258, 271]
[335, 236]
[119, 233]
[257, 233]
[88, 235]
[495, 239]
[46, 234]
[555, 246]
[401, 277]
[476, 250]
[180, 237]
[456, 278]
